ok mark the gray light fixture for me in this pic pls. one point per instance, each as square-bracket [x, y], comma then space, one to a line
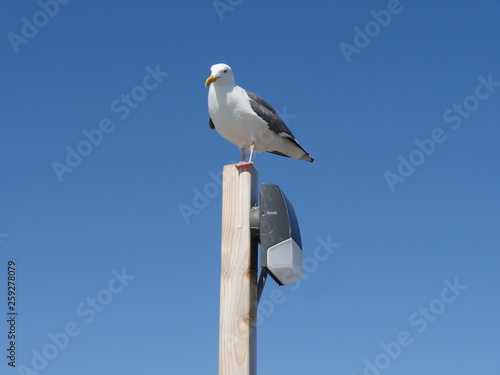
[275, 225]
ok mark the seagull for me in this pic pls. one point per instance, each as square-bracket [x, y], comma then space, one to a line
[246, 120]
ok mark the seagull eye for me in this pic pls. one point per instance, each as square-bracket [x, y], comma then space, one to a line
[225, 70]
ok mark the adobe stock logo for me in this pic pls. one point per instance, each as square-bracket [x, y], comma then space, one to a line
[122, 107]
[363, 37]
[324, 249]
[202, 197]
[89, 310]
[421, 320]
[30, 26]
[223, 6]
[455, 115]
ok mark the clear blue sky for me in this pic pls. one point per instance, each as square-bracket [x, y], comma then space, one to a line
[398, 102]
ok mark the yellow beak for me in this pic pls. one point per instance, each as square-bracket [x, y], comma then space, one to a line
[210, 80]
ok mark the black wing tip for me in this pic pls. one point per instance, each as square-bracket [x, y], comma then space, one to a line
[211, 124]
[278, 153]
[306, 157]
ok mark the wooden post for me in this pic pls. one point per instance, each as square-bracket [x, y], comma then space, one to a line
[238, 284]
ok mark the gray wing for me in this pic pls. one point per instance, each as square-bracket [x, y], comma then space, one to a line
[267, 113]
[271, 117]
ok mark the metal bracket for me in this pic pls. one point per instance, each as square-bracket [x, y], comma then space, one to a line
[262, 282]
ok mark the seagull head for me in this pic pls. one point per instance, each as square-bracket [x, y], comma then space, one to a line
[222, 73]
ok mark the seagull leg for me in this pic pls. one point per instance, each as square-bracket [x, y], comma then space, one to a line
[252, 149]
[244, 163]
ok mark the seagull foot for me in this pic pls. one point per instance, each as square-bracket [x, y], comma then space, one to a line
[244, 165]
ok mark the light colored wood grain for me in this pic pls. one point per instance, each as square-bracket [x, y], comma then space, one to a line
[238, 284]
